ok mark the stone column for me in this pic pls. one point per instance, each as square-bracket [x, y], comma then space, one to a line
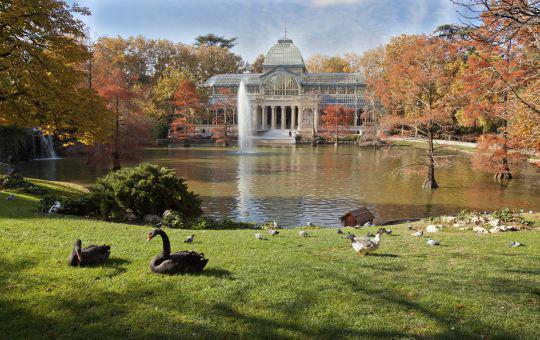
[300, 118]
[263, 117]
[316, 118]
[283, 116]
[273, 117]
[293, 117]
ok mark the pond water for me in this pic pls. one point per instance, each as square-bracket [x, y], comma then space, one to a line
[298, 184]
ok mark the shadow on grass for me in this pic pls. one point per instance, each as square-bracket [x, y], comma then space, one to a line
[383, 255]
[217, 272]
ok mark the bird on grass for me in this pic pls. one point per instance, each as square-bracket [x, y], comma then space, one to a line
[90, 256]
[11, 197]
[309, 224]
[370, 235]
[514, 244]
[367, 224]
[410, 227]
[418, 233]
[189, 239]
[388, 231]
[364, 246]
[273, 232]
[303, 233]
[339, 231]
[433, 242]
[260, 236]
[275, 224]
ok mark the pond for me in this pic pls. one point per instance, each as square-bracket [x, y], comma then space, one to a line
[298, 184]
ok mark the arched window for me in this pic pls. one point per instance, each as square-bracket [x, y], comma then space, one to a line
[281, 84]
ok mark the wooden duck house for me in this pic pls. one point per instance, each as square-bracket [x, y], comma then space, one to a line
[357, 217]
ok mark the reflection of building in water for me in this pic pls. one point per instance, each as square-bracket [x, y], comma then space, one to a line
[285, 95]
[245, 199]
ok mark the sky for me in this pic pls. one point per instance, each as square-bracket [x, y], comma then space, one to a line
[316, 26]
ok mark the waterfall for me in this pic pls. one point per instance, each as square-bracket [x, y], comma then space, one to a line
[245, 121]
[46, 147]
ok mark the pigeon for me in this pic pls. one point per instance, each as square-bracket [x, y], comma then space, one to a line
[273, 232]
[382, 230]
[515, 244]
[303, 233]
[433, 242]
[339, 231]
[276, 226]
[189, 239]
[11, 197]
[410, 227]
[418, 233]
[259, 236]
[388, 231]
[367, 224]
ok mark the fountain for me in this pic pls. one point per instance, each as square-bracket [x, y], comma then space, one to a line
[245, 121]
[46, 147]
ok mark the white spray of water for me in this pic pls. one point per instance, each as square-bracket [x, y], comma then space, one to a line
[245, 121]
[47, 147]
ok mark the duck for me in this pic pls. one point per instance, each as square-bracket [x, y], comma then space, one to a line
[367, 224]
[364, 246]
[339, 231]
[273, 232]
[418, 233]
[90, 256]
[189, 239]
[176, 263]
[303, 233]
[433, 242]
[260, 236]
[388, 231]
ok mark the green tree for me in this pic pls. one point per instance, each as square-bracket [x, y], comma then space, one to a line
[211, 39]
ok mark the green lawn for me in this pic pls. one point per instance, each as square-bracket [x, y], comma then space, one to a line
[288, 286]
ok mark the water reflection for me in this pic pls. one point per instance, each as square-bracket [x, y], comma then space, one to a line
[297, 184]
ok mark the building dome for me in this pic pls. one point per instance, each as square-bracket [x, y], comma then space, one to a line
[285, 52]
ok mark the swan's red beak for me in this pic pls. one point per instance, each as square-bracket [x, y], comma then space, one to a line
[78, 253]
[149, 237]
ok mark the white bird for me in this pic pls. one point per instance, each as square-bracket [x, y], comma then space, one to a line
[55, 207]
[276, 226]
[418, 233]
[367, 224]
[273, 232]
[531, 212]
[365, 246]
[515, 244]
[189, 239]
[309, 224]
[259, 236]
[11, 197]
[303, 233]
[433, 242]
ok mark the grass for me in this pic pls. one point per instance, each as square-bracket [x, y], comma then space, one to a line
[285, 287]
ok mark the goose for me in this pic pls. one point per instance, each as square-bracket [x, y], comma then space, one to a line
[303, 233]
[339, 231]
[180, 262]
[273, 232]
[259, 236]
[418, 233]
[433, 242]
[89, 256]
[189, 239]
[364, 246]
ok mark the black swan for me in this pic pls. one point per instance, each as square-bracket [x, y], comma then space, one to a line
[89, 256]
[177, 263]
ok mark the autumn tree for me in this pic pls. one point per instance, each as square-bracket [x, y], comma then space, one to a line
[188, 105]
[418, 73]
[337, 117]
[257, 65]
[327, 64]
[502, 77]
[41, 84]
[224, 105]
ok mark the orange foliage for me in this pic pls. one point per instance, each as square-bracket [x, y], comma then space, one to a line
[336, 118]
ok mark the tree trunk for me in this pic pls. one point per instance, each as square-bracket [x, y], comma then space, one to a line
[116, 151]
[505, 172]
[430, 182]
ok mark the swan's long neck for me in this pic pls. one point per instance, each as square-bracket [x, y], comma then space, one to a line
[166, 244]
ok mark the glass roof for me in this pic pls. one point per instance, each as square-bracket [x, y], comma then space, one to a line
[234, 79]
[285, 53]
[307, 79]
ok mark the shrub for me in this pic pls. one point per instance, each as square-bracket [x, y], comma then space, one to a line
[145, 189]
[80, 206]
[175, 220]
[18, 182]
